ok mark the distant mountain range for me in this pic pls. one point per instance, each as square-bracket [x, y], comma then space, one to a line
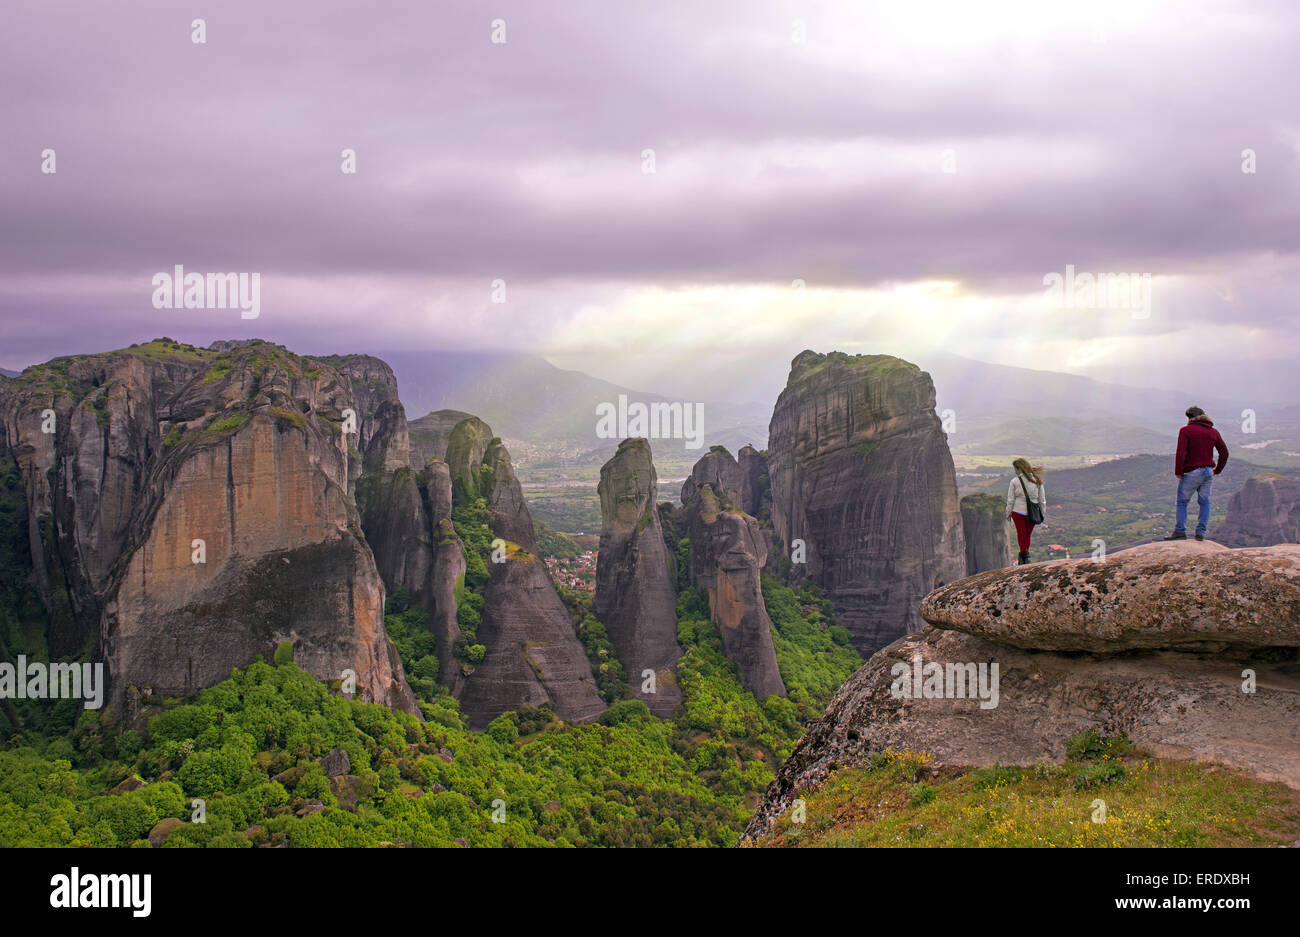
[1001, 409]
[7, 373]
[525, 397]
[998, 409]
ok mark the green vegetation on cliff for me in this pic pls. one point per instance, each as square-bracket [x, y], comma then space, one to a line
[251, 746]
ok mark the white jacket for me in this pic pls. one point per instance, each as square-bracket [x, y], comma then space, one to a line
[1016, 496]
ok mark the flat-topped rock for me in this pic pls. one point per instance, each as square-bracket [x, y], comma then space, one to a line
[1188, 595]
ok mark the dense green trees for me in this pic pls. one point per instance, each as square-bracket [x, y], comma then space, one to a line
[250, 747]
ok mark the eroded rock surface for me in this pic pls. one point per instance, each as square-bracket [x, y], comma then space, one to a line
[728, 552]
[217, 525]
[1265, 512]
[861, 473]
[533, 655]
[635, 599]
[1173, 704]
[1184, 594]
[990, 538]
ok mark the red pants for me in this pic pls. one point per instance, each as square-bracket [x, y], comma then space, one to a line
[1024, 530]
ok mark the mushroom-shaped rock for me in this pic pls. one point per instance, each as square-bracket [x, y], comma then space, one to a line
[1182, 594]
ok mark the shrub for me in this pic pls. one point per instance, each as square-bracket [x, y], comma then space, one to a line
[921, 794]
[625, 711]
[1096, 773]
[283, 653]
[1089, 744]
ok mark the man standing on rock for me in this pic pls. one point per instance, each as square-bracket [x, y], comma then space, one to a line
[1195, 468]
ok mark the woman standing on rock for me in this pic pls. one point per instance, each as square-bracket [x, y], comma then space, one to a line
[1026, 503]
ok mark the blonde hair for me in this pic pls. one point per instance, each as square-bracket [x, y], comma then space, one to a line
[1032, 472]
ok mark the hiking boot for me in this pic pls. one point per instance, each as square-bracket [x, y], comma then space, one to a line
[1176, 536]
[1200, 536]
[1024, 559]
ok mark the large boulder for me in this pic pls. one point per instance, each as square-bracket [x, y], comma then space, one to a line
[861, 474]
[635, 599]
[1185, 594]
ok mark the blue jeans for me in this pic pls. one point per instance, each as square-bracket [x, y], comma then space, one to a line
[1197, 480]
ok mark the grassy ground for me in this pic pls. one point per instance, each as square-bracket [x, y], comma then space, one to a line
[1105, 794]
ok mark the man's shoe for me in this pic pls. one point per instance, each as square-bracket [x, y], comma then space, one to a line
[1200, 536]
[1176, 536]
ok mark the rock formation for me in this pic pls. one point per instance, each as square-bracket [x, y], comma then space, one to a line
[755, 488]
[861, 473]
[83, 432]
[1165, 699]
[635, 598]
[465, 450]
[448, 569]
[1189, 595]
[190, 508]
[430, 434]
[1266, 511]
[387, 491]
[990, 539]
[728, 552]
[533, 655]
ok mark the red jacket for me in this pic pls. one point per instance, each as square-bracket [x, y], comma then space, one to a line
[1197, 442]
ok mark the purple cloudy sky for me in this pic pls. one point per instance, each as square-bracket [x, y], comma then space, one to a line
[793, 141]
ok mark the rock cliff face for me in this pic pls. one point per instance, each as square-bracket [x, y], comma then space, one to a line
[387, 492]
[861, 473]
[82, 477]
[728, 552]
[755, 487]
[533, 655]
[1173, 703]
[1266, 511]
[218, 523]
[990, 540]
[382, 435]
[635, 599]
[448, 569]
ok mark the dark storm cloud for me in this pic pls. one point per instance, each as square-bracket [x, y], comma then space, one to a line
[523, 160]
